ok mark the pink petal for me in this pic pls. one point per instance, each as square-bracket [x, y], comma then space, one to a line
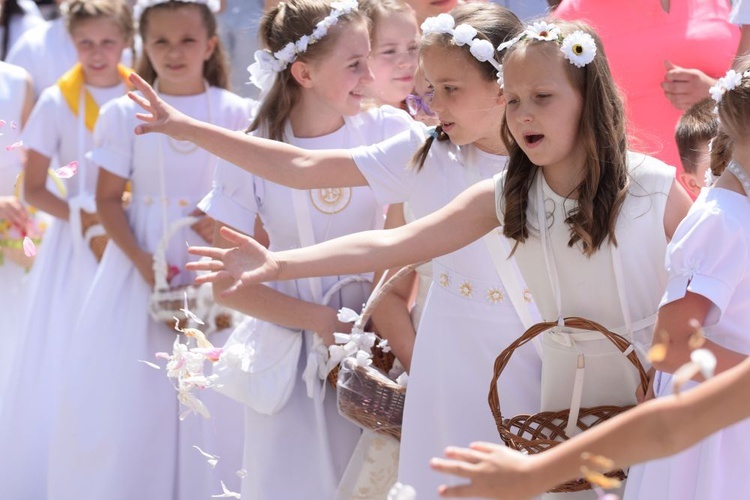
[13, 146]
[2, 123]
[67, 171]
[28, 247]
[13, 125]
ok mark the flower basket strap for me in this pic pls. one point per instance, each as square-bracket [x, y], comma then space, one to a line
[571, 322]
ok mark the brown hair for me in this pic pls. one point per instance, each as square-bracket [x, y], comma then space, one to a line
[697, 125]
[734, 111]
[215, 69]
[601, 132]
[375, 10]
[284, 24]
[721, 153]
[75, 11]
[493, 23]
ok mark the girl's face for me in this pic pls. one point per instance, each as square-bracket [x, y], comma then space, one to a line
[335, 83]
[394, 58]
[177, 44]
[99, 43]
[429, 8]
[468, 105]
[543, 108]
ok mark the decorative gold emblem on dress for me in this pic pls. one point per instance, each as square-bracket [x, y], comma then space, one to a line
[331, 200]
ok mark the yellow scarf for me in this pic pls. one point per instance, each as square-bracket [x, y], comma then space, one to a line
[71, 84]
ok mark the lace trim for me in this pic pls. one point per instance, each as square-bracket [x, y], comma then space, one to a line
[741, 175]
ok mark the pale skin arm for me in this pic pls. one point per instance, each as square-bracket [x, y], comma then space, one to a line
[273, 160]
[109, 189]
[655, 429]
[392, 318]
[270, 305]
[467, 218]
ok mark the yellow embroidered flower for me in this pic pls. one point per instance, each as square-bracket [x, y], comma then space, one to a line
[445, 279]
[494, 295]
[527, 296]
[466, 289]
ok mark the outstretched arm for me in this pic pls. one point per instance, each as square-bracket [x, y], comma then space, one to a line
[655, 429]
[467, 218]
[273, 160]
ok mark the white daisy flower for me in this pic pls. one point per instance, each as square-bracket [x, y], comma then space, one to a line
[717, 91]
[731, 80]
[464, 34]
[579, 48]
[544, 31]
[482, 50]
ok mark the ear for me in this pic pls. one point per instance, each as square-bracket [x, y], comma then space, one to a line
[210, 47]
[690, 183]
[302, 72]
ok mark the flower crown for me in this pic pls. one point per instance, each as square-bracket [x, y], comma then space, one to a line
[267, 64]
[464, 34]
[141, 5]
[728, 82]
[579, 48]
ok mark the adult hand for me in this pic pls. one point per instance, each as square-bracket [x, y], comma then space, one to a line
[161, 117]
[12, 210]
[684, 87]
[493, 471]
[248, 262]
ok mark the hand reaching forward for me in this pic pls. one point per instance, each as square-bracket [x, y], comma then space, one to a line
[161, 117]
[493, 471]
[248, 262]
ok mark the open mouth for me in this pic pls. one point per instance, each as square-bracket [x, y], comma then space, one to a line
[447, 126]
[533, 140]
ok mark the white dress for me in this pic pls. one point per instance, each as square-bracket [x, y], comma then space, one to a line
[589, 286]
[46, 52]
[62, 273]
[12, 276]
[118, 435]
[468, 318]
[715, 468]
[21, 23]
[322, 441]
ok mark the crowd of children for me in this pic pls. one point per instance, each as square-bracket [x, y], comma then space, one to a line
[386, 133]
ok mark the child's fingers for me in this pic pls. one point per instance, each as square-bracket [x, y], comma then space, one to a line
[211, 277]
[457, 491]
[461, 469]
[140, 101]
[143, 86]
[212, 252]
[205, 265]
[464, 454]
[233, 236]
[484, 446]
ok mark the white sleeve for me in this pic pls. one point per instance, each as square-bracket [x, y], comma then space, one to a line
[42, 130]
[740, 12]
[387, 165]
[707, 256]
[113, 138]
[233, 199]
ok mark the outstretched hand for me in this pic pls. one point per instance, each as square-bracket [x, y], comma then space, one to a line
[247, 263]
[161, 117]
[493, 471]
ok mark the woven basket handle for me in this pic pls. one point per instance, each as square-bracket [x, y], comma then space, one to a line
[571, 322]
[379, 293]
[160, 254]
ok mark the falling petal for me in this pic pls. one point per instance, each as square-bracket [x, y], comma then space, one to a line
[601, 463]
[13, 146]
[13, 125]
[212, 459]
[226, 493]
[706, 360]
[402, 492]
[698, 338]
[190, 316]
[199, 336]
[149, 363]
[2, 123]
[29, 249]
[683, 374]
[658, 352]
[599, 479]
[346, 315]
[242, 473]
[67, 171]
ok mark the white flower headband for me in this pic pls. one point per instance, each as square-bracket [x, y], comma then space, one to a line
[579, 48]
[463, 34]
[141, 5]
[724, 84]
[267, 64]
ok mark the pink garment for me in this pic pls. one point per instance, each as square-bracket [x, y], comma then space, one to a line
[638, 36]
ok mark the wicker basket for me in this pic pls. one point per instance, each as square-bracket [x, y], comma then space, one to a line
[541, 431]
[366, 395]
[168, 302]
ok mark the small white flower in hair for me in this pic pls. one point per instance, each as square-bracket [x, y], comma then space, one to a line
[464, 34]
[506, 45]
[579, 48]
[544, 31]
[731, 80]
[442, 23]
[482, 50]
[500, 79]
[287, 54]
[345, 6]
[302, 44]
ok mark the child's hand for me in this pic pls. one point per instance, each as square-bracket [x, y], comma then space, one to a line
[161, 118]
[493, 471]
[12, 210]
[246, 263]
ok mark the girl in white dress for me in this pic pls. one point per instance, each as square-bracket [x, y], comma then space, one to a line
[470, 316]
[60, 126]
[556, 88]
[14, 215]
[313, 101]
[118, 435]
[710, 284]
